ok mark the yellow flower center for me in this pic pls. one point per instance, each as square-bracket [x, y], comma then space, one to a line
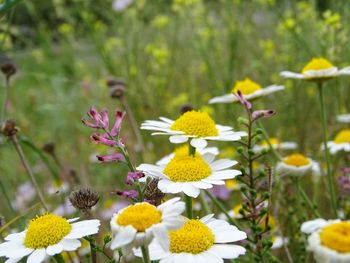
[246, 87]
[336, 237]
[271, 222]
[46, 230]
[317, 64]
[141, 216]
[296, 159]
[343, 137]
[193, 237]
[195, 123]
[236, 209]
[182, 151]
[187, 169]
[273, 142]
[232, 184]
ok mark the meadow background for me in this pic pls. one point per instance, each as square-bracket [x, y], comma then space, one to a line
[170, 54]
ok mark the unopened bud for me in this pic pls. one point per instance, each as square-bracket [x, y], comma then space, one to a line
[117, 87]
[9, 128]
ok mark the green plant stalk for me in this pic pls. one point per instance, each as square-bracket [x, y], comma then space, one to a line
[306, 198]
[58, 258]
[5, 7]
[204, 203]
[267, 139]
[4, 103]
[7, 198]
[326, 151]
[145, 254]
[188, 202]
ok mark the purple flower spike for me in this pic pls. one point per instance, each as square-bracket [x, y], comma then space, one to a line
[133, 176]
[102, 139]
[128, 194]
[243, 100]
[110, 158]
[262, 114]
[118, 122]
[105, 119]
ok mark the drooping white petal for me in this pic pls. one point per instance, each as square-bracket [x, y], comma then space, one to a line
[313, 225]
[227, 98]
[19, 252]
[178, 139]
[207, 218]
[293, 75]
[160, 232]
[54, 249]
[228, 251]
[70, 244]
[16, 236]
[225, 174]
[222, 164]
[190, 190]
[199, 143]
[123, 237]
[37, 256]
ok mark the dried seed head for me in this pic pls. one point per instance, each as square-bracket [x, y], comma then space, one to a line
[9, 128]
[49, 148]
[117, 87]
[84, 199]
[185, 108]
[153, 194]
[7, 67]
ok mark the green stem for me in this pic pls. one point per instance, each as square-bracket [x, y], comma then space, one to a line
[93, 250]
[267, 139]
[220, 206]
[326, 151]
[306, 198]
[188, 202]
[191, 149]
[204, 204]
[4, 104]
[145, 254]
[58, 258]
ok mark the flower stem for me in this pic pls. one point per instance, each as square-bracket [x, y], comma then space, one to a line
[326, 151]
[93, 250]
[204, 204]
[58, 258]
[4, 103]
[145, 254]
[306, 198]
[188, 202]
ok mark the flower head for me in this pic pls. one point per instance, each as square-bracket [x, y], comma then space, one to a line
[276, 144]
[295, 164]
[249, 89]
[195, 125]
[199, 240]
[341, 142]
[47, 235]
[317, 69]
[329, 240]
[344, 118]
[137, 224]
[189, 174]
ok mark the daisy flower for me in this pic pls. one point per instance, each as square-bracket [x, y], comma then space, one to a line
[317, 69]
[249, 89]
[329, 240]
[295, 164]
[276, 144]
[137, 224]
[199, 240]
[341, 142]
[46, 235]
[189, 174]
[194, 125]
[344, 118]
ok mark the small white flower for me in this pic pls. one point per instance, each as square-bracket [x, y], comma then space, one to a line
[295, 164]
[278, 242]
[137, 224]
[194, 125]
[276, 144]
[344, 118]
[317, 69]
[329, 240]
[189, 174]
[57, 187]
[46, 235]
[249, 89]
[341, 142]
[201, 241]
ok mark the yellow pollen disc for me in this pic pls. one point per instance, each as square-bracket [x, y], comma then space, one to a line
[237, 208]
[182, 151]
[187, 169]
[296, 159]
[273, 141]
[246, 86]
[343, 137]
[336, 237]
[46, 230]
[195, 123]
[141, 216]
[193, 237]
[317, 64]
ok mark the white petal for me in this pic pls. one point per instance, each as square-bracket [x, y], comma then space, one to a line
[54, 249]
[19, 252]
[202, 185]
[228, 251]
[37, 256]
[222, 164]
[161, 234]
[206, 218]
[9, 246]
[123, 237]
[224, 174]
[227, 98]
[70, 244]
[178, 139]
[190, 190]
[199, 143]
[83, 228]
[208, 157]
[313, 225]
[16, 236]
[344, 71]
[288, 74]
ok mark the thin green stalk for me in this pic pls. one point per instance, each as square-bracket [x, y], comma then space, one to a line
[4, 103]
[204, 203]
[326, 151]
[306, 198]
[220, 206]
[7, 198]
[145, 254]
[267, 139]
[58, 258]
[188, 202]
